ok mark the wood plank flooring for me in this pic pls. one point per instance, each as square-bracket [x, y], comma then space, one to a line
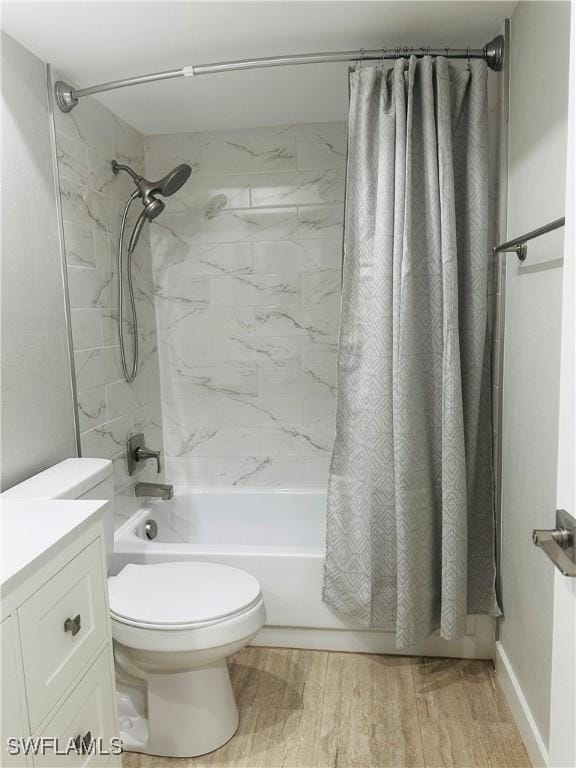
[314, 709]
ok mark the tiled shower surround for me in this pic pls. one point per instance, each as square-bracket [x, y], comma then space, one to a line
[239, 279]
[247, 266]
[92, 199]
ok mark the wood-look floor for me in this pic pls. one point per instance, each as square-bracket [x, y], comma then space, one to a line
[314, 709]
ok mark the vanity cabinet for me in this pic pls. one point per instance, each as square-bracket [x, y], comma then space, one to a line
[14, 716]
[57, 663]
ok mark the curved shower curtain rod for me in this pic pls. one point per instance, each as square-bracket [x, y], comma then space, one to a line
[493, 53]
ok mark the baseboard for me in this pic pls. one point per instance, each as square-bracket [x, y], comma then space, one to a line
[533, 741]
[477, 644]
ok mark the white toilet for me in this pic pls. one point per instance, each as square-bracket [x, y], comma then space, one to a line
[173, 626]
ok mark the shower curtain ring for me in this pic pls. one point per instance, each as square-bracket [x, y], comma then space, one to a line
[380, 64]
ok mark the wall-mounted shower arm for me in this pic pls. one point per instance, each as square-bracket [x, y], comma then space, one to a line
[493, 52]
[119, 167]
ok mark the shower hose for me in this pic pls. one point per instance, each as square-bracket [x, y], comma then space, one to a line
[129, 375]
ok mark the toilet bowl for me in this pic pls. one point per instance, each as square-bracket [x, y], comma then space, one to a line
[174, 625]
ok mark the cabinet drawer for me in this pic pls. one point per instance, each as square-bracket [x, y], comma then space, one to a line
[89, 709]
[57, 645]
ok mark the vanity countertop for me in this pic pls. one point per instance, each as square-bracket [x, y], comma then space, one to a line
[30, 529]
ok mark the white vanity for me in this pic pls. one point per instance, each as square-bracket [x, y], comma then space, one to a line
[57, 664]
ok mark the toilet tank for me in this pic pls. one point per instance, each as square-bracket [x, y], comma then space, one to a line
[74, 479]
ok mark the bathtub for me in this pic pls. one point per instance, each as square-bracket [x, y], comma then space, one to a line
[279, 537]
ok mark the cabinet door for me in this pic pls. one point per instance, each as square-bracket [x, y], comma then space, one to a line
[62, 626]
[86, 716]
[13, 724]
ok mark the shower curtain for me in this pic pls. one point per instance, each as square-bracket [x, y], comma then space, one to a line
[410, 528]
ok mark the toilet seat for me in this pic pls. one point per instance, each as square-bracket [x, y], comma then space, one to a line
[181, 595]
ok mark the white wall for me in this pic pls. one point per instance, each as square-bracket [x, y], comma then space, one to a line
[537, 147]
[37, 405]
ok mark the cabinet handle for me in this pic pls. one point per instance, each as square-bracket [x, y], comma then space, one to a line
[73, 625]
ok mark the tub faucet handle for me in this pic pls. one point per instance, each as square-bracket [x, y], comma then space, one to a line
[141, 454]
[137, 451]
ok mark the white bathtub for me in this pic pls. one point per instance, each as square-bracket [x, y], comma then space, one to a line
[278, 536]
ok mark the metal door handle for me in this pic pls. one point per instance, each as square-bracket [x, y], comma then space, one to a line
[73, 625]
[559, 543]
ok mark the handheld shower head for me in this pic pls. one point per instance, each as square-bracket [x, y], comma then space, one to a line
[146, 214]
[153, 207]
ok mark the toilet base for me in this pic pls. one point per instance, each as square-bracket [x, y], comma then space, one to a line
[188, 713]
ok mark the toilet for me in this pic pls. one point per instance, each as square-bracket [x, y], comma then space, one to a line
[173, 624]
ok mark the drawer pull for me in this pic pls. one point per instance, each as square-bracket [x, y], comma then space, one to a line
[82, 743]
[73, 625]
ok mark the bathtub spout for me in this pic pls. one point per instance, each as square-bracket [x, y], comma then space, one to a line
[163, 491]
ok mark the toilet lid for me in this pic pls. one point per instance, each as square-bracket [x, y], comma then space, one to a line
[180, 593]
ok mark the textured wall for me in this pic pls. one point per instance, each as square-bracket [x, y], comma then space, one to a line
[37, 404]
[247, 267]
[110, 410]
[537, 156]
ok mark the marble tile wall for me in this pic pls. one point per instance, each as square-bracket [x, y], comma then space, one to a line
[247, 264]
[92, 200]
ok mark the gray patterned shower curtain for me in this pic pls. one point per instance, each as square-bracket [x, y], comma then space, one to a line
[410, 530]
